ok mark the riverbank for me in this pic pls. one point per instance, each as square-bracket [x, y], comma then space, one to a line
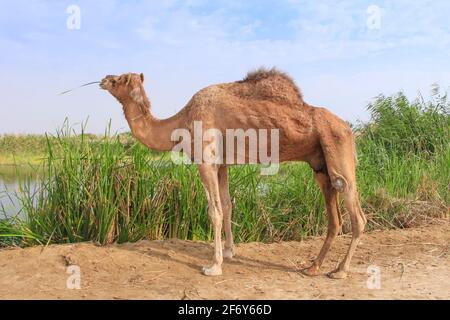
[30, 149]
[22, 149]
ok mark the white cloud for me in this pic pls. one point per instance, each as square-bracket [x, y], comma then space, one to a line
[404, 24]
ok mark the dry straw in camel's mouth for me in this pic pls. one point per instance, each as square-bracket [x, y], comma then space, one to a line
[83, 85]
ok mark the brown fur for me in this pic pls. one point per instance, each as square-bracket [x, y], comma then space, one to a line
[273, 76]
[264, 99]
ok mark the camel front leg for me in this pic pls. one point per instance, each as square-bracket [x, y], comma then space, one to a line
[209, 177]
[226, 209]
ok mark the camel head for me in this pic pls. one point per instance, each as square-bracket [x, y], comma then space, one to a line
[125, 86]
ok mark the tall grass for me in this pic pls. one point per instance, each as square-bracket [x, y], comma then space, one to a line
[107, 190]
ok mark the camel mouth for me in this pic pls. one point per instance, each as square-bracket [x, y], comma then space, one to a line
[107, 82]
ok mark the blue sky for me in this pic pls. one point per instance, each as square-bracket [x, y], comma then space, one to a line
[182, 46]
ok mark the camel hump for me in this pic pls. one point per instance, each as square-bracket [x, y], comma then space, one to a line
[272, 83]
[264, 73]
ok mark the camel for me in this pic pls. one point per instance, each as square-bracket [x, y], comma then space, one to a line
[264, 99]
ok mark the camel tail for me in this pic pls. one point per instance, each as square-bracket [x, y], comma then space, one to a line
[355, 152]
[355, 156]
[361, 212]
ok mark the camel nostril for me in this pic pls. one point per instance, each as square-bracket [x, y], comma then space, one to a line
[103, 83]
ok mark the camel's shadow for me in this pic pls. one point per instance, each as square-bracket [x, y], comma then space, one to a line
[181, 252]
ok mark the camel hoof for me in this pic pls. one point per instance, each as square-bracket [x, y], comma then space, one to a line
[311, 271]
[228, 253]
[213, 270]
[338, 274]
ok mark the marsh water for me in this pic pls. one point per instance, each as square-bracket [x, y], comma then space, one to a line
[12, 178]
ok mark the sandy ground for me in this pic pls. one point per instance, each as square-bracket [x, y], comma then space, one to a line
[413, 264]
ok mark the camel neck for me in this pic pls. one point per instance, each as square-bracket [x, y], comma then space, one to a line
[150, 131]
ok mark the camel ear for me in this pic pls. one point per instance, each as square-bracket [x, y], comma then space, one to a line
[142, 77]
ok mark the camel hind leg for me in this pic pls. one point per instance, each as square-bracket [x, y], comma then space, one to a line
[358, 223]
[334, 220]
[339, 151]
[343, 180]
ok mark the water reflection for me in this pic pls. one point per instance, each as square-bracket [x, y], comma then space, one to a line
[11, 179]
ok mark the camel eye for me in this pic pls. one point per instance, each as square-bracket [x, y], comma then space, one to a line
[122, 79]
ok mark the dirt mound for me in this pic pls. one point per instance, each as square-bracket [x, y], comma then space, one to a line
[412, 264]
